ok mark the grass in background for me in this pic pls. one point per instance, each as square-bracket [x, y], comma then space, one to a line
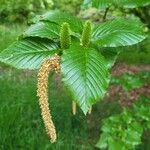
[21, 126]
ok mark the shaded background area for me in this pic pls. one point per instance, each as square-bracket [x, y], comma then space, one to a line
[21, 126]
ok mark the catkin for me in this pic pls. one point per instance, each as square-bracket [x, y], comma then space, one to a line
[86, 34]
[42, 93]
[65, 37]
[74, 108]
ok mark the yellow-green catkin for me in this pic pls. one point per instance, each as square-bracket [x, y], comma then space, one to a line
[65, 37]
[86, 34]
[90, 111]
[42, 93]
[74, 108]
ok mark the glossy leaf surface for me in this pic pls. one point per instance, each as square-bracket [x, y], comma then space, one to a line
[85, 74]
[28, 53]
[118, 32]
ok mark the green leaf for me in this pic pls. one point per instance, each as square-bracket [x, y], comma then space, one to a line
[137, 126]
[126, 116]
[101, 4]
[44, 30]
[132, 135]
[103, 142]
[85, 75]
[119, 32]
[129, 82]
[115, 144]
[125, 130]
[28, 53]
[142, 112]
[58, 17]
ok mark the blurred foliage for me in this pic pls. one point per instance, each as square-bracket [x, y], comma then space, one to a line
[20, 10]
[129, 82]
[9, 33]
[124, 131]
[108, 9]
[102, 4]
[72, 6]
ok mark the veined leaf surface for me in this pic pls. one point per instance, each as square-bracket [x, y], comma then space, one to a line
[58, 17]
[85, 74]
[44, 30]
[118, 32]
[28, 53]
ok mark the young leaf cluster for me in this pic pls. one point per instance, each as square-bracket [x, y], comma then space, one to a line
[124, 131]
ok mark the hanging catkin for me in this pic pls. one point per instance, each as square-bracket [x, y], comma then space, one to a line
[42, 92]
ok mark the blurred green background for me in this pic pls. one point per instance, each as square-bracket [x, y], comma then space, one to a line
[21, 126]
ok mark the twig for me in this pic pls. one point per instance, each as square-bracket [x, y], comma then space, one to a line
[105, 14]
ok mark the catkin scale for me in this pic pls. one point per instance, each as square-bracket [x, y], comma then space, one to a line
[42, 92]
